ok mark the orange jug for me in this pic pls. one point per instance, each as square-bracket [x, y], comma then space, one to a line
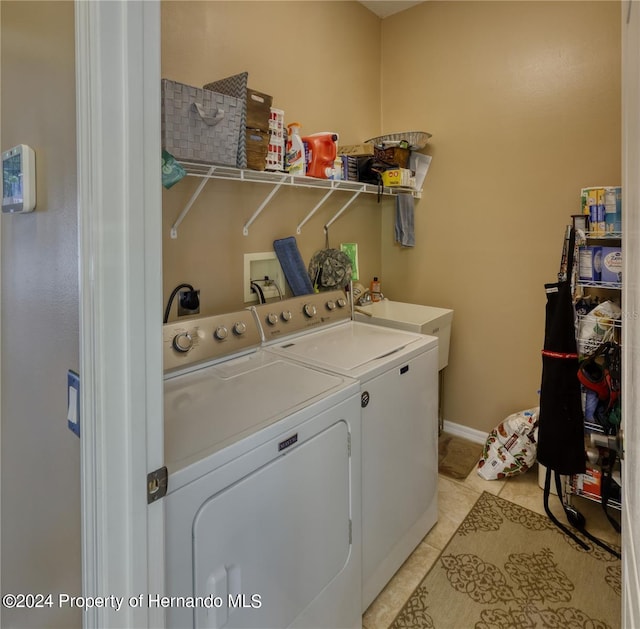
[321, 151]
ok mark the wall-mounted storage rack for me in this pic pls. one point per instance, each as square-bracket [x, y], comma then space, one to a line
[603, 236]
[593, 284]
[208, 172]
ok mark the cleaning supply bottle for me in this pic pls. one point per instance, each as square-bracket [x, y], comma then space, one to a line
[321, 154]
[374, 289]
[295, 161]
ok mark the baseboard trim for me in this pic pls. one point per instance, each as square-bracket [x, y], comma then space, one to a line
[458, 430]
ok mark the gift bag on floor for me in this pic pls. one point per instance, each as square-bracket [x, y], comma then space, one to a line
[511, 446]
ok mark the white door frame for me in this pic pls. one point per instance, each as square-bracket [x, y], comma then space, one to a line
[631, 312]
[120, 275]
[119, 200]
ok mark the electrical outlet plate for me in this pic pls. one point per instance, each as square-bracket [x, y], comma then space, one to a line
[256, 267]
[183, 312]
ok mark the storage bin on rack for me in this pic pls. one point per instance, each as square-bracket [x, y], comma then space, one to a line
[393, 155]
[258, 110]
[199, 125]
[255, 108]
[257, 142]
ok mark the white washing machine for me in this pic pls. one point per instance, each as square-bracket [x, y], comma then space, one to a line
[397, 372]
[262, 508]
[414, 318]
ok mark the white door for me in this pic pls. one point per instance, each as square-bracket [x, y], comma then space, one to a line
[120, 219]
[631, 310]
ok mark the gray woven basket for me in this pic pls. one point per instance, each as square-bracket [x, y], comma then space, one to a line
[236, 86]
[200, 125]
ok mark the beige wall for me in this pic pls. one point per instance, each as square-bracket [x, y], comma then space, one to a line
[40, 456]
[523, 100]
[330, 81]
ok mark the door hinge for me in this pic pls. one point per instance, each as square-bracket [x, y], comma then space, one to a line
[620, 443]
[349, 445]
[157, 484]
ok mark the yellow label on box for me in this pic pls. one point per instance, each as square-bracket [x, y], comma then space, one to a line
[391, 177]
[398, 177]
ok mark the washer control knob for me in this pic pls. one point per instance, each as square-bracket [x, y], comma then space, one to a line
[221, 333]
[239, 328]
[309, 310]
[342, 302]
[272, 318]
[286, 315]
[182, 342]
[331, 305]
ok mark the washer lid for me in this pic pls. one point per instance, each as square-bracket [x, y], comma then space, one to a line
[352, 347]
[211, 408]
[411, 314]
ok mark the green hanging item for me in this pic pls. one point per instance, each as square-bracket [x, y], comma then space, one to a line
[172, 171]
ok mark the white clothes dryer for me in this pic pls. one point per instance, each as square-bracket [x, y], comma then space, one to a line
[263, 501]
[398, 378]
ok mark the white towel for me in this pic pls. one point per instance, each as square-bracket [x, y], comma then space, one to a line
[404, 220]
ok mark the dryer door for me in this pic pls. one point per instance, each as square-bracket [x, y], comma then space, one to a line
[267, 546]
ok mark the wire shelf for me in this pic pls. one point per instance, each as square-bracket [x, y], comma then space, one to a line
[207, 172]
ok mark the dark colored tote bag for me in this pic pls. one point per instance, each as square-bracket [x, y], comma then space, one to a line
[561, 419]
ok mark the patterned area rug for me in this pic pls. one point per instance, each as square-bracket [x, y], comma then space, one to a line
[508, 567]
[457, 456]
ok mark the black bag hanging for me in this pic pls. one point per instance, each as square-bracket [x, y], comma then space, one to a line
[561, 420]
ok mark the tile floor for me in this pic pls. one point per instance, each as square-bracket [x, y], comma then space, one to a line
[455, 500]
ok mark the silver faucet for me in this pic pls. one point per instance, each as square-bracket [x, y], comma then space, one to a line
[365, 298]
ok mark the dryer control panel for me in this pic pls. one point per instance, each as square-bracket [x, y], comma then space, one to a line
[280, 319]
[188, 343]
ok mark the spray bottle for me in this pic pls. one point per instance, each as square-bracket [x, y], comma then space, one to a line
[295, 151]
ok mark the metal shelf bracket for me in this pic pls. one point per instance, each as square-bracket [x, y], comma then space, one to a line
[277, 179]
[192, 200]
[245, 229]
[315, 209]
[342, 210]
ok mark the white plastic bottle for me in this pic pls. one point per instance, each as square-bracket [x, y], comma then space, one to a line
[295, 151]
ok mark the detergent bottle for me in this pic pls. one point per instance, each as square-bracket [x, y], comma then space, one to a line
[294, 156]
[321, 154]
[375, 291]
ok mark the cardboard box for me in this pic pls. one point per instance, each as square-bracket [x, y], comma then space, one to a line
[613, 209]
[590, 482]
[591, 196]
[398, 177]
[611, 264]
[590, 264]
[596, 219]
[356, 149]
[352, 166]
